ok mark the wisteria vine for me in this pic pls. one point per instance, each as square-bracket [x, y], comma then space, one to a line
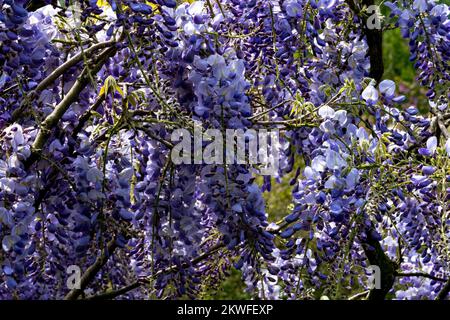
[91, 92]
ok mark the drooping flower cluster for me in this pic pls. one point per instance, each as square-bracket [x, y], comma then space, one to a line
[425, 24]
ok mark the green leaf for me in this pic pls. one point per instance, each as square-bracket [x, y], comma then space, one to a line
[109, 86]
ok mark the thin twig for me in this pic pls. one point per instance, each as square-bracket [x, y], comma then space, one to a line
[53, 118]
[51, 78]
[419, 274]
[92, 271]
[442, 295]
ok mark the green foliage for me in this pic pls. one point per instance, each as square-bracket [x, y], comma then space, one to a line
[401, 70]
[233, 288]
[396, 57]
